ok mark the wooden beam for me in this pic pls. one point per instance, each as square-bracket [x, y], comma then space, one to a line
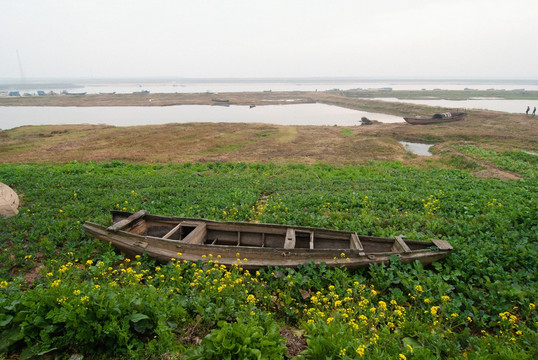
[172, 232]
[442, 244]
[289, 243]
[126, 222]
[198, 235]
[400, 245]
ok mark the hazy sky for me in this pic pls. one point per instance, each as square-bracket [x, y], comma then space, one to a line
[288, 38]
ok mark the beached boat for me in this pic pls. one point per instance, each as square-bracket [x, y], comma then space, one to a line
[9, 201]
[262, 245]
[73, 94]
[437, 118]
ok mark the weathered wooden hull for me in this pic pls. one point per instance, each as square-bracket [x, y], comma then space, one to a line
[427, 121]
[254, 246]
[9, 201]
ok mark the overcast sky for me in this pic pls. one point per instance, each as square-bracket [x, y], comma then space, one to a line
[288, 38]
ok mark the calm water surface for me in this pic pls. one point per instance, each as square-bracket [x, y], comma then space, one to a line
[417, 148]
[296, 114]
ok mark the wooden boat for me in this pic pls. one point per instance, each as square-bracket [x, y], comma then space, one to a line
[262, 245]
[437, 118]
[74, 94]
[9, 201]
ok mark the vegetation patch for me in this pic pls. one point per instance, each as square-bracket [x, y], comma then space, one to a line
[62, 292]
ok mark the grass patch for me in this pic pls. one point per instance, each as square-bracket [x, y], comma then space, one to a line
[287, 134]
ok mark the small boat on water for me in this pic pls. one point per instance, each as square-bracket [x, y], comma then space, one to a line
[9, 201]
[262, 245]
[437, 118]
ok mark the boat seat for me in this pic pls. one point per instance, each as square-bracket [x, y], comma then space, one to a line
[400, 245]
[355, 243]
[122, 224]
[198, 235]
[289, 242]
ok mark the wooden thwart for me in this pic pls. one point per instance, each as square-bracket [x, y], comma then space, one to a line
[400, 245]
[289, 243]
[120, 225]
[198, 235]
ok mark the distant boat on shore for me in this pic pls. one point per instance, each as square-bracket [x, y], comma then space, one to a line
[70, 93]
[450, 116]
[220, 100]
[141, 92]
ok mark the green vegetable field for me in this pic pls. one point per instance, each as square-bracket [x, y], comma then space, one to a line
[63, 293]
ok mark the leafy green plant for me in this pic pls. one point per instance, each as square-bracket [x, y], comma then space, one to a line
[241, 340]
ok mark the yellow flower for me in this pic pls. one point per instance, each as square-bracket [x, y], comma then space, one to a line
[532, 306]
[445, 298]
[360, 350]
[76, 292]
[402, 357]
[418, 288]
[89, 262]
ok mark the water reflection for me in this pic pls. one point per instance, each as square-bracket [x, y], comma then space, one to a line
[296, 114]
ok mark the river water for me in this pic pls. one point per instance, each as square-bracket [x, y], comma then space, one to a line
[296, 114]
[301, 114]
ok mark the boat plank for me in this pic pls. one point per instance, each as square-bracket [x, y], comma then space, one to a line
[400, 245]
[126, 222]
[289, 243]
